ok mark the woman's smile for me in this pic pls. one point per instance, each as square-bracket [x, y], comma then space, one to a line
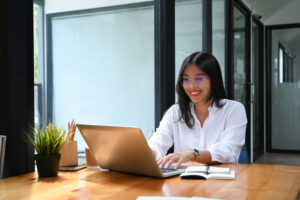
[195, 92]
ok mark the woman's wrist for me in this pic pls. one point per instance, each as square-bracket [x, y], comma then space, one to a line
[191, 155]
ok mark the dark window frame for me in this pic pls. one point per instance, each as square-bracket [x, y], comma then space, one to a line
[261, 81]
[207, 26]
[164, 14]
[229, 65]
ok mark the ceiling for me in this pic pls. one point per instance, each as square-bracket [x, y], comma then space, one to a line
[276, 11]
[267, 8]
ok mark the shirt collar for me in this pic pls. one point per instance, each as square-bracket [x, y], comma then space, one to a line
[211, 108]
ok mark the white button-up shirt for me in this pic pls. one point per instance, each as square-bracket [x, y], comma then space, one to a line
[222, 134]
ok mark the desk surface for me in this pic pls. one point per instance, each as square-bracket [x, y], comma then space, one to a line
[252, 182]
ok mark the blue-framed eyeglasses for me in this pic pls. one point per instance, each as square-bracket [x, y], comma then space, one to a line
[188, 81]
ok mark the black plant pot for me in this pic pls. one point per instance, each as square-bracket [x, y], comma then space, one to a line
[47, 165]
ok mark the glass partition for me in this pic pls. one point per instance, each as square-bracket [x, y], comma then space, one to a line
[285, 89]
[239, 49]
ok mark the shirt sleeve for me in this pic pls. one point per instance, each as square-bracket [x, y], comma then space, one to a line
[232, 138]
[162, 139]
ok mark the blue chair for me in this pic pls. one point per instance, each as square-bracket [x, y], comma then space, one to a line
[244, 156]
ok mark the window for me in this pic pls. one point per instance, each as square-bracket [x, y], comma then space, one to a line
[38, 64]
[188, 30]
[218, 31]
[286, 65]
[280, 64]
[102, 69]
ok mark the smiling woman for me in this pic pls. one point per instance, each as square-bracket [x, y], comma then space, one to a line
[199, 65]
[202, 125]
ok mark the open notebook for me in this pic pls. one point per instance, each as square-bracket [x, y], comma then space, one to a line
[208, 172]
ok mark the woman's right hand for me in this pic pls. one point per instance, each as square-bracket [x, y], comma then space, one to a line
[175, 158]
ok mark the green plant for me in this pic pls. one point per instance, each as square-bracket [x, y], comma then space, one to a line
[47, 140]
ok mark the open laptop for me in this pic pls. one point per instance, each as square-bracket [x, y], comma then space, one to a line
[123, 149]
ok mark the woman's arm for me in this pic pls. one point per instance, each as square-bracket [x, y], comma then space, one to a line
[232, 139]
[162, 139]
[183, 157]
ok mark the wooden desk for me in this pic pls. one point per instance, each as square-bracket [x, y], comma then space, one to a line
[253, 182]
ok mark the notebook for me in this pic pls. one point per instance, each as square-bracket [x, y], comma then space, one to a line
[123, 149]
[208, 172]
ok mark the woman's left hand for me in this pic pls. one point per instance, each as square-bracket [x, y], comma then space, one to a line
[178, 158]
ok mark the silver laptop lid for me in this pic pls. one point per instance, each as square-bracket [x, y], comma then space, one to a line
[121, 149]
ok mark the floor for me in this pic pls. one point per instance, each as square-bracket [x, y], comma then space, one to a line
[279, 158]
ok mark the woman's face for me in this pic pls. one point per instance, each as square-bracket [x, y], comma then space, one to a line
[196, 84]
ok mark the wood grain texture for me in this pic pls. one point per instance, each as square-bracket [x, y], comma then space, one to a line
[253, 181]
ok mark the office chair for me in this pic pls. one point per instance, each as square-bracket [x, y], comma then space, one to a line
[244, 156]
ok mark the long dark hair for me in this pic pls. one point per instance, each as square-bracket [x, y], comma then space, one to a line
[209, 64]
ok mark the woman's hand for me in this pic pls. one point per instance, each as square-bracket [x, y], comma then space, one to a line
[178, 158]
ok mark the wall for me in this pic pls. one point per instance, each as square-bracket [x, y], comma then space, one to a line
[16, 77]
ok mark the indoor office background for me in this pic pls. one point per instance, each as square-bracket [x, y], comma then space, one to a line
[116, 63]
[102, 71]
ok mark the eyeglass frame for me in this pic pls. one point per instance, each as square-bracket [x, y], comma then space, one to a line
[195, 81]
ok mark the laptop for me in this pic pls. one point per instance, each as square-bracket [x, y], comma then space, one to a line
[123, 149]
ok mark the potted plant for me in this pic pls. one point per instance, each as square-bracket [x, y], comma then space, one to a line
[48, 142]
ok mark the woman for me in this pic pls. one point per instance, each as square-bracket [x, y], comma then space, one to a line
[203, 126]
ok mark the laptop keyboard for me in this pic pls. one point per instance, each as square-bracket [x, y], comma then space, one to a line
[164, 170]
[172, 172]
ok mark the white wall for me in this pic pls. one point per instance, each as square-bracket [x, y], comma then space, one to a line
[56, 6]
